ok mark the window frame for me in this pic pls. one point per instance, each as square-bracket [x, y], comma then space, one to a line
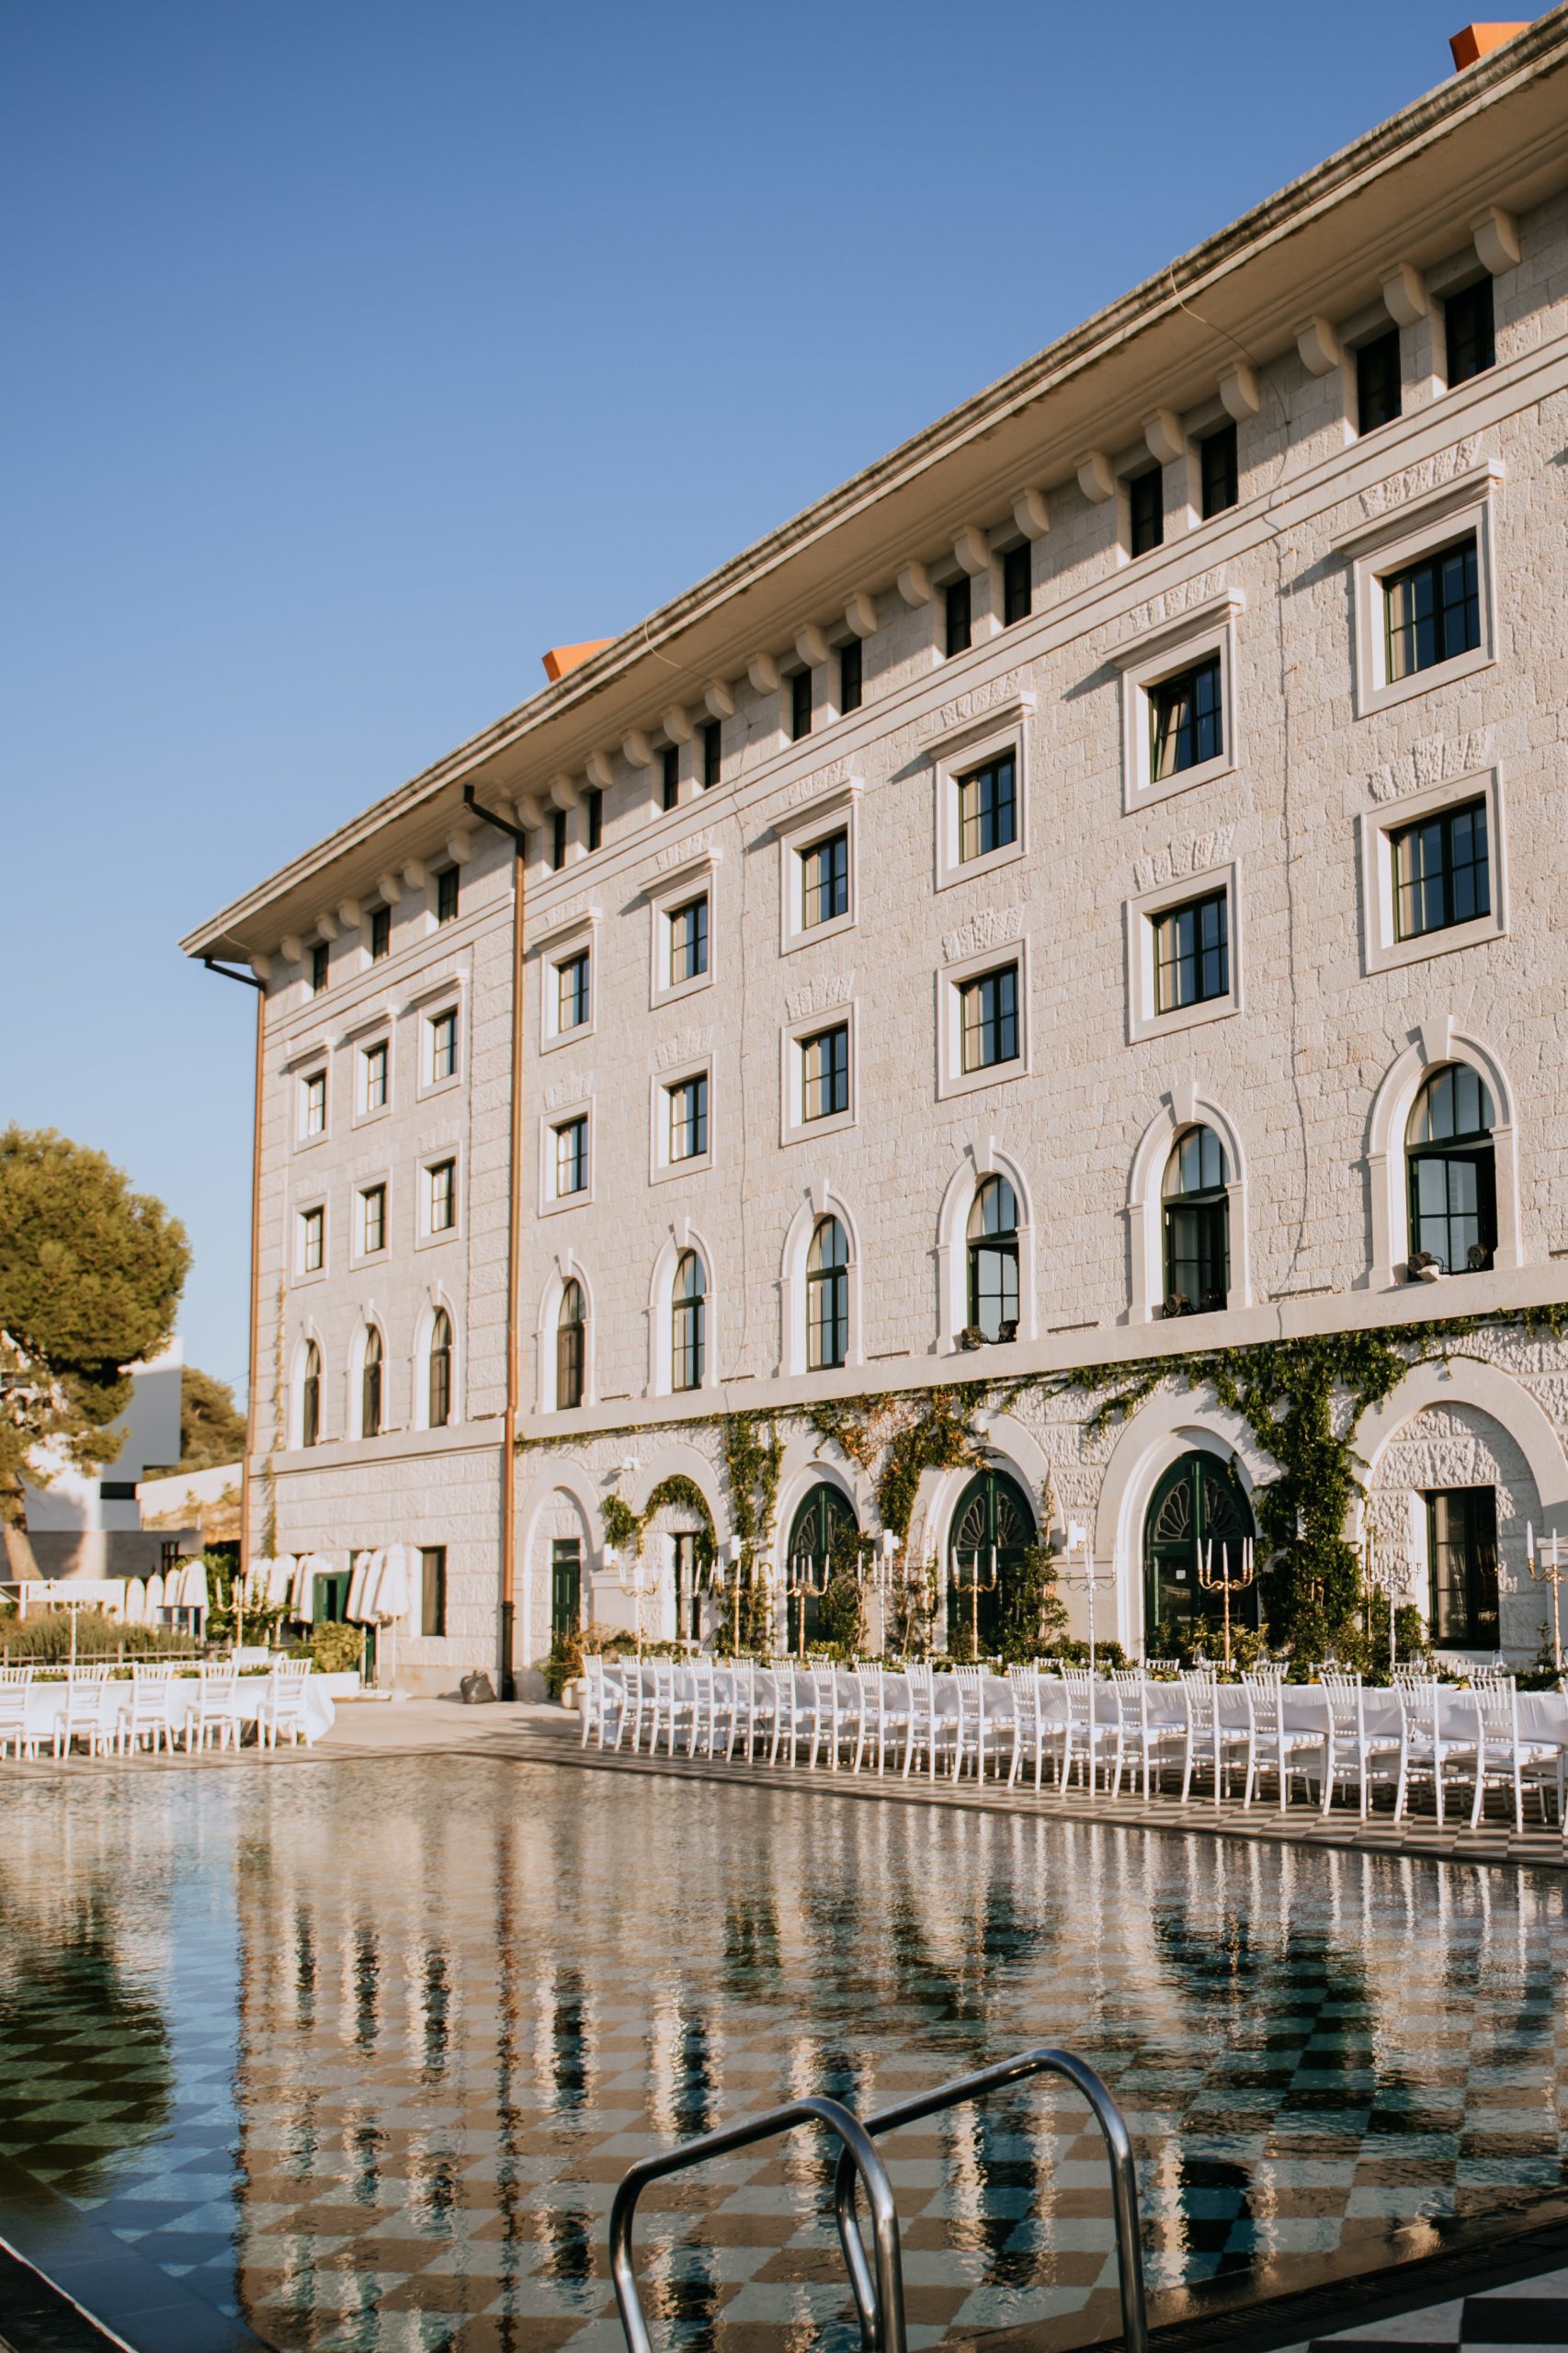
[794, 1127]
[365, 1048]
[1141, 916]
[1204, 949]
[551, 1200]
[1153, 659]
[841, 1277]
[662, 1167]
[958, 615]
[1382, 949]
[1219, 437]
[798, 831]
[365, 1189]
[1390, 544]
[318, 976]
[442, 914]
[1380, 342]
[431, 1016]
[1012, 561]
[1152, 523]
[426, 1235]
[977, 747]
[583, 1327]
[430, 1170]
[558, 948]
[433, 1589]
[696, 1311]
[951, 981]
[1485, 284]
[712, 759]
[305, 1214]
[427, 1371]
[695, 876]
[850, 654]
[1473, 1639]
[318, 1074]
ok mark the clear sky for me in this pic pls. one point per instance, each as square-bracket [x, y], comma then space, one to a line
[358, 351]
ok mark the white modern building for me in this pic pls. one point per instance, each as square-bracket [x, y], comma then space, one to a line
[1087, 893]
[87, 1525]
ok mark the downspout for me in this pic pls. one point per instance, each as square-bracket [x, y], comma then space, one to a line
[514, 1248]
[231, 973]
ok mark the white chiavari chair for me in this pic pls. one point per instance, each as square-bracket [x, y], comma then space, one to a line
[1503, 1759]
[1273, 1746]
[91, 1713]
[1354, 1752]
[1209, 1740]
[1431, 1745]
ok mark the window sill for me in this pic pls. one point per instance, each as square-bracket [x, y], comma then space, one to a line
[1440, 673]
[833, 929]
[971, 870]
[970, 1082]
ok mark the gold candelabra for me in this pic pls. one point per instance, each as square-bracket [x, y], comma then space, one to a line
[977, 1585]
[1548, 1572]
[1225, 1583]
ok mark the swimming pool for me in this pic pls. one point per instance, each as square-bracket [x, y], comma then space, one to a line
[359, 2049]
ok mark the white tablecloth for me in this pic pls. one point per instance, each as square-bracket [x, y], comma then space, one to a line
[46, 1705]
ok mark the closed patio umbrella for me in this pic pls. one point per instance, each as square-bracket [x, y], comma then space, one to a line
[358, 1584]
[280, 1582]
[155, 1596]
[393, 1597]
[135, 1602]
[193, 1587]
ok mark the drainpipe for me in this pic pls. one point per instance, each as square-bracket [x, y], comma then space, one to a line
[514, 1248]
[232, 972]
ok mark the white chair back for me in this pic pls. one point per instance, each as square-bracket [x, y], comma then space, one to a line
[16, 1675]
[1343, 1692]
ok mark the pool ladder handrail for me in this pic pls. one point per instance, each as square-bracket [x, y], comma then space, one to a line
[1044, 2060]
[857, 2161]
[878, 2291]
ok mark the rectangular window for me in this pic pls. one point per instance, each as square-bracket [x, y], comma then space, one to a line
[594, 817]
[444, 1046]
[1377, 388]
[825, 880]
[1217, 462]
[688, 940]
[1469, 332]
[851, 661]
[669, 765]
[1462, 1548]
[688, 1118]
[372, 1220]
[988, 808]
[320, 958]
[711, 755]
[447, 894]
[572, 1157]
[825, 1072]
[956, 616]
[377, 1064]
[990, 1028]
[380, 933]
[566, 1575]
[557, 840]
[1185, 720]
[800, 705]
[1146, 511]
[1432, 610]
[312, 1241]
[1441, 871]
[1192, 952]
[433, 1589]
[571, 991]
[443, 1195]
[1017, 585]
[315, 1104]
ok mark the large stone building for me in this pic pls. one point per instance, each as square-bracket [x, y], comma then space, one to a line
[1091, 889]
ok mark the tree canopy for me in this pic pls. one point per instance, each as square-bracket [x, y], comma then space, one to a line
[90, 1278]
[212, 1427]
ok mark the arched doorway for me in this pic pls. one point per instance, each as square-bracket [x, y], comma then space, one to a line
[1199, 1501]
[819, 1532]
[992, 1526]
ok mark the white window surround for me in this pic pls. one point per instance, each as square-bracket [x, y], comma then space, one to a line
[958, 755]
[439, 1303]
[370, 1322]
[1185, 1107]
[581, 937]
[952, 1078]
[794, 1127]
[567, 1269]
[430, 1015]
[381, 1035]
[661, 1167]
[981, 1158]
[1437, 1040]
[310, 1337]
[304, 1134]
[1141, 915]
[358, 1255]
[1146, 661]
[424, 1239]
[682, 1236]
[695, 877]
[550, 1202]
[822, 1200]
[1385, 544]
[1380, 950]
[798, 831]
[314, 1273]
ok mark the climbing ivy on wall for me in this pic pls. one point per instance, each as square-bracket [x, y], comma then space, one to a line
[625, 1529]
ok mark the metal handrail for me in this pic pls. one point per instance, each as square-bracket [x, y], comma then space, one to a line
[871, 2300]
[857, 2158]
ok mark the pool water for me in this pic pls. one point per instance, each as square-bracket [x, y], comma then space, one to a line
[359, 2049]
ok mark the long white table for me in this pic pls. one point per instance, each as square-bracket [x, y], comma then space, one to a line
[46, 1705]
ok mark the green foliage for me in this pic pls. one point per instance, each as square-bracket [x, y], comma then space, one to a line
[335, 1647]
[937, 1435]
[1035, 1620]
[753, 1454]
[212, 1427]
[623, 1529]
[46, 1637]
[563, 1663]
[90, 1277]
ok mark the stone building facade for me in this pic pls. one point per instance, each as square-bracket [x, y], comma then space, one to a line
[1089, 890]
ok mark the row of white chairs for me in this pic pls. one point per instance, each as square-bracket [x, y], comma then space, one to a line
[156, 1708]
[1099, 1734]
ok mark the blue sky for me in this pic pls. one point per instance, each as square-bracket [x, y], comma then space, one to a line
[358, 352]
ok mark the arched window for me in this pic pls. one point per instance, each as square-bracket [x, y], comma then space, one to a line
[370, 1386]
[1453, 1186]
[439, 1394]
[570, 1352]
[688, 1323]
[310, 1397]
[827, 1296]
[1197, 1225]
[994, 1260]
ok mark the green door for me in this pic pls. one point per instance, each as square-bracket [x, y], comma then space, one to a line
[993, 1527]
[1199, 1502]
[565, 1586]
[826, 1521]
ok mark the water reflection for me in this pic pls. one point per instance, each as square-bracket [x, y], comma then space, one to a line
[457, 1997]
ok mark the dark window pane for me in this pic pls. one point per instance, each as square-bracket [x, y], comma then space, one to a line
[1192, 961]
[990, 1019]
[988, 808]
[1146, 511]
[710, 755]
[670, 765]
[956, 615]
[558, 839]
[433, 1587]
[800, 705]
[825, 1072]
[825, 880]
[447, 894]
[1442, 872]
[594, 807]
[1185, 720]
[1216, 455]
[1018, 593]
[1469, 331]
[1462, 1548]
[320, 963]
[380, 933]
[689, 941]
[1432, 610]
[850, 670]
[1378, 389]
